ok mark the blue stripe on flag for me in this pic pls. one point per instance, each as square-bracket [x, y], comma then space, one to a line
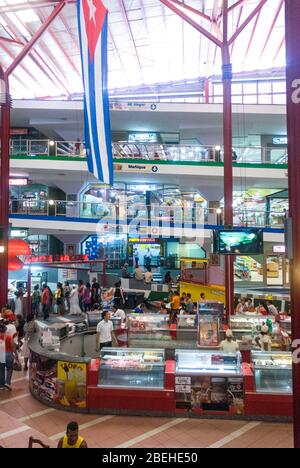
[106, 100]
[86, 121]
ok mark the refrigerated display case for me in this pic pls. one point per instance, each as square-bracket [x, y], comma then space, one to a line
[132, 368]
[246, 328]
[211, 308]
[208, 381]
[148, 329]
[272, 372]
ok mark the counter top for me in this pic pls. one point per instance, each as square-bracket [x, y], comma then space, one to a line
[35, 346]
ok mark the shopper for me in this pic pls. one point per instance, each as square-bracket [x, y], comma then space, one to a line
[229, 345]
[59, 299]
[148, 276]
[189, 305]
[136, 257]
[19, 302]
[74, 302]
[72, 439]
[46, 300]
[167, 278]
[105, 333]
[119, 313]
[138, 274]
[20, 323]
[87, 297]
[95, 291]
[125, 272]
[36, 300]
[272, 309]
[80, 294]
[119, 297]
[262, 308]
[240, 308]
[264, 340]
[183, 300]
[67, 292]
[202, 297]
[175, 306]
[29, 330]
[147, 258]
[7, 354]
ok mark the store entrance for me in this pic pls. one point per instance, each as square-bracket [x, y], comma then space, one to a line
[146, 255]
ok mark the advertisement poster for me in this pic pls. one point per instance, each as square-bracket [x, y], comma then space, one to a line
[71, 384]
[42, 377]
[208, 333]
[205, 393]
[59, 382]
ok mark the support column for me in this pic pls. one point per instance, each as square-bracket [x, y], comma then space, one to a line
[292, 34]
[228, 177]
[4, 188]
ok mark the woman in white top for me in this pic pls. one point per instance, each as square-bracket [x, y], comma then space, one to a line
[74, 302]
[229, 345]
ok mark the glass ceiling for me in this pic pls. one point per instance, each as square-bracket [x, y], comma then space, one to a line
[148, 43]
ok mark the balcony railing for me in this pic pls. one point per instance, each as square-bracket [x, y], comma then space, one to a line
[160, 215]
[153, 152]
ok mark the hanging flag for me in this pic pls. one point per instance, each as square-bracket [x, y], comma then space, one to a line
[92, 23]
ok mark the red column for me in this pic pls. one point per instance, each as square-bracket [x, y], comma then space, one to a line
[4, 192]
[293, 125]
[228, 177]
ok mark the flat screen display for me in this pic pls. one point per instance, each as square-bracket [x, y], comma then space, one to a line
[238, 242]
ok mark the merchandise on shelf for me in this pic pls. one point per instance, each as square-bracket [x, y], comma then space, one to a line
[272, 372]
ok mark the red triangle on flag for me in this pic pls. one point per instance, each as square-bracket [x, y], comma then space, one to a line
[94, 17]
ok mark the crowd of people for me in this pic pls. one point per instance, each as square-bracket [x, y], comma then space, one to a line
[264, 307]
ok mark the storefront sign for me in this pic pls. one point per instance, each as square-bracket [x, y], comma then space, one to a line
[57, 258]
[132, 106]
[278, 248]
[18, 131]
[17, 181]
[280, 141]
[142, 240]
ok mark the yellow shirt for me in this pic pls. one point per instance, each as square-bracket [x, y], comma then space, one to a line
[77, 445]
[176, 302]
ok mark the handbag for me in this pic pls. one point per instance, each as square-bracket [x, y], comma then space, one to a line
[17, 365]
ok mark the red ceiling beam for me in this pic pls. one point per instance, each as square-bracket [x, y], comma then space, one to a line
[247, 21]
[252, 35]
[279, 48]
[11, 41]
[192, 10]
[35, 38]
[193, 23]
[235, 5]
[272, 28]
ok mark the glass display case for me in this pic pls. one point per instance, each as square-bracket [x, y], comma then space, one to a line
[187, 322]
[209, 380]
[144, 329]
[247, 327]
[272, 372]
[211, 308]
[132, 368]
[208, 363]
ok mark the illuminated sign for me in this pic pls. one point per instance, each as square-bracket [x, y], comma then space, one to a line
[142, 137]
[142, 240]
[57, 258]
[280, 141]
[18, 181]
[278, 248]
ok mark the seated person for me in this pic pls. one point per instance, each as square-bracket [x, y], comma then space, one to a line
[148, 276]
[138, 274]
[141, 309]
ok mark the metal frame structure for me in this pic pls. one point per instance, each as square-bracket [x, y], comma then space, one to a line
[5, 135]
[222, 40]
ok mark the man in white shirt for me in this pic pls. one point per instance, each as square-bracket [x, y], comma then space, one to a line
[105, 334]
[148, 276]
[119, 313]
[11, 331]
[229, 345]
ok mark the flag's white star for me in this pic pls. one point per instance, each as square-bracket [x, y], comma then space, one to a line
[93, 10]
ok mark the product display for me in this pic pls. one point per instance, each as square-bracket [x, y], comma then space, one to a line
[208, 331]
[272, 372]
[208, 381]
[146, 328]
[131, 368]
[246, 328]
[211, 308]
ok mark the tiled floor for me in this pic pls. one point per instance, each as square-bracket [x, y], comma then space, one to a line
[21, 416]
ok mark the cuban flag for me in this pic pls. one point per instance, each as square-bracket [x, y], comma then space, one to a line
[92, 23]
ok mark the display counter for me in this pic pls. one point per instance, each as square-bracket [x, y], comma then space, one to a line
[209, 381]
[268, 384]
[246, 328]
[67, 373]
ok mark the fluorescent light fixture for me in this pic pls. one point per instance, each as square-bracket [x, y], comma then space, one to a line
[2, 249]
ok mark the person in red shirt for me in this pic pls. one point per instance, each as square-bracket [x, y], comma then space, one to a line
[46, 301]
[7, 354]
